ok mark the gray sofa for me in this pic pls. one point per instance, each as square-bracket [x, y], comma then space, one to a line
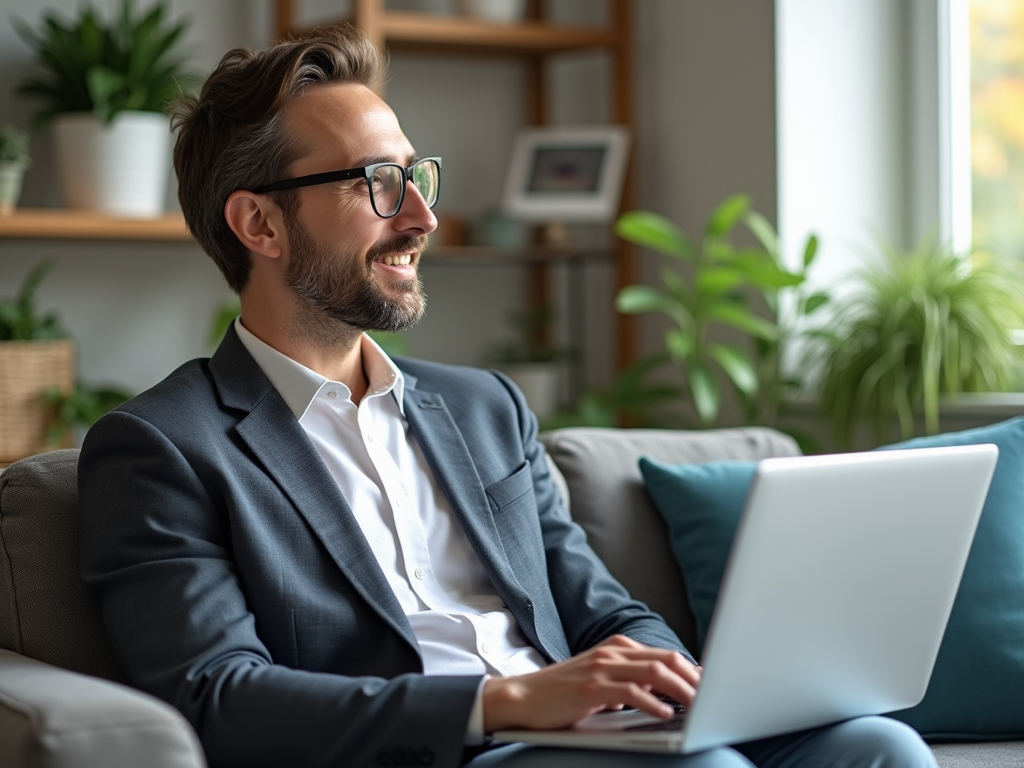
[62, 697]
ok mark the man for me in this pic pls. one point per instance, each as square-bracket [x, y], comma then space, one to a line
[324, 558]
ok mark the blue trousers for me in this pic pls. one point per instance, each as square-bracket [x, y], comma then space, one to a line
[866, 742]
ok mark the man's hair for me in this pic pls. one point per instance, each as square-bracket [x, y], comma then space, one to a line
[232, 135]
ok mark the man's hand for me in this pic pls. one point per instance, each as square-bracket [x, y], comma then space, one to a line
[617, 673]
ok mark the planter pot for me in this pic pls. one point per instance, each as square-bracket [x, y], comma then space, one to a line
[500, 11]
[539, 383]
[11, 175]
[27, 370]
[120, 169]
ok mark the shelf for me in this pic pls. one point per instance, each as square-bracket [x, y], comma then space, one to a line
[444, 34]
[60, 224]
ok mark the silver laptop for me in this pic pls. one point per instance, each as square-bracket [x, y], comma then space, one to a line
[835, 598]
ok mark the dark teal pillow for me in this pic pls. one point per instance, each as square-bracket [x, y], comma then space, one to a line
[977, 688]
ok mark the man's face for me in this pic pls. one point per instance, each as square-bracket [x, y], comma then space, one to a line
[344, 261]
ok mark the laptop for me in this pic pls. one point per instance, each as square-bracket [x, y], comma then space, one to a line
[835, 598]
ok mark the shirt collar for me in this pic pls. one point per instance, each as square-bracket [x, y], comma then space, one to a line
[299, 385]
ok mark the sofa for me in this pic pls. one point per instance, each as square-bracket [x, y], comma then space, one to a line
[64, 702]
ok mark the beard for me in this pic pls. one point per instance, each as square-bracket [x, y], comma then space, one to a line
[338, 285]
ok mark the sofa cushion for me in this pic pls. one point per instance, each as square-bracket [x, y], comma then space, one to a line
[53, 717]
[975, 691]
[996, 754]
[609, 501]
[45, 611]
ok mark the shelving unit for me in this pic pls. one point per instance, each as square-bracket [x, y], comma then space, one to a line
[60, 224]
[534, 41]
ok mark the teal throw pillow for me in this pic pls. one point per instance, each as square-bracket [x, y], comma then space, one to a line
[977, 687]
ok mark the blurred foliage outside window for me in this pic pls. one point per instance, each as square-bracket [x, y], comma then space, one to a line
[997, 125]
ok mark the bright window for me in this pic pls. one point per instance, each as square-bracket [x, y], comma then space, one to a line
[997, 125]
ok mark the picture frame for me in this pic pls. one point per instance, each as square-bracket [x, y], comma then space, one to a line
[567, 174]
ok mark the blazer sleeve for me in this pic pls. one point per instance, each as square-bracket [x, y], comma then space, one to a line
[155, 550]
[591, 603]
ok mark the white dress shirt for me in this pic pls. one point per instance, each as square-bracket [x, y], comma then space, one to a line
[461, 624]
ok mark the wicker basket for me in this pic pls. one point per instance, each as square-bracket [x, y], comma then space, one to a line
[27, 370]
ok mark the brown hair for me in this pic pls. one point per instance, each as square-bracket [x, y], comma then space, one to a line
[231, 136]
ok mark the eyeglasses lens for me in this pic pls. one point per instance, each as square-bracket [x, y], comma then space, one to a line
[388, 184]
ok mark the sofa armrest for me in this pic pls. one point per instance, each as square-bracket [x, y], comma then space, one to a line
[51, 717]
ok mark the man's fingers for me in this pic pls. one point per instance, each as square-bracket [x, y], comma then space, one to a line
[650, 675]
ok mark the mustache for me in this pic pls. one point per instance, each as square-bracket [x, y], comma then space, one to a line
[401, 244]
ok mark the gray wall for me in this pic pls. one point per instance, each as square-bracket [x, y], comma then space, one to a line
[705, 106]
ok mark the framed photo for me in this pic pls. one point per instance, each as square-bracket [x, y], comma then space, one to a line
[567, 174]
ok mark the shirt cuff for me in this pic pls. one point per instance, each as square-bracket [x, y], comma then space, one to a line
[475, 728]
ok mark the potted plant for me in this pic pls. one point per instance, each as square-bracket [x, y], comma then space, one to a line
[530, 360]
[105, 88]
[14, 161]
[715, 289]
[35, 356]
[924, 323]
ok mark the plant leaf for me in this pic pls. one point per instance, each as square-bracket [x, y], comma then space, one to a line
[726, 215]
[636, 299]
[810, 250]
[765, 234]
[703, 390]
[742, 318]
[655, 232]
[737, 366]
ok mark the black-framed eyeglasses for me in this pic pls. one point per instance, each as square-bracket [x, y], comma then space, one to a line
[385, 181]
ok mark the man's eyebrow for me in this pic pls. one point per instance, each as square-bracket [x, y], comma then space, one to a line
[373, 160]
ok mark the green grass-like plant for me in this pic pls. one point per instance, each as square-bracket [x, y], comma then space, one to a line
[924, 323]
[134, 63]
[20, 319]
[14, 145]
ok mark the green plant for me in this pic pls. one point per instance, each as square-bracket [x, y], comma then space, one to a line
[924, 323]
[14, 145]
[528, 344]
[792, 306]
[715, 290]
[631, 399]
[19, 318]
[82, 408]
[131, 64]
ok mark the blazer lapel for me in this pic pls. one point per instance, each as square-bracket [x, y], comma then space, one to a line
[273, 434]
[453, 466]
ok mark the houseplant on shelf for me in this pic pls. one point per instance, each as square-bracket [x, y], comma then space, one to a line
[14, 161]
[530, 360]
[924, 323]
[713, 289]
[104, 88]
[35, 356]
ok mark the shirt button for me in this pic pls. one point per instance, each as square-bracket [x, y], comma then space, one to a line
[369, 438]
[420, 574]
[485, 648]
[332, 393]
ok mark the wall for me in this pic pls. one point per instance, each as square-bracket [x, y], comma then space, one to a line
[705, 101]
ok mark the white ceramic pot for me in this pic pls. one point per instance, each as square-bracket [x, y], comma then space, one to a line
[539, 383]
[120, 169]
[501, 11]
[11, 176]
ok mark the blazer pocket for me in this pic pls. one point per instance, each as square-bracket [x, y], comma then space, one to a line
[511, 489]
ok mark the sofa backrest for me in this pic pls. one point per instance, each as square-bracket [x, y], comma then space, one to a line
[607, 498]
[45, 611]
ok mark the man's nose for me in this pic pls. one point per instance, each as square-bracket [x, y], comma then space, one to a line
[415, 213]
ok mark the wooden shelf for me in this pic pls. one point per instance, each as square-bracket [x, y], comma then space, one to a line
[454, 34]
[60, 224]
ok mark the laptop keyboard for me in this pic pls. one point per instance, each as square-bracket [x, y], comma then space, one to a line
[674, 723]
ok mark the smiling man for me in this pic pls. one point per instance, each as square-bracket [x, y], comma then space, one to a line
[324, 557]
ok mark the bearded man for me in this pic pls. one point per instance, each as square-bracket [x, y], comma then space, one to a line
[324, 557]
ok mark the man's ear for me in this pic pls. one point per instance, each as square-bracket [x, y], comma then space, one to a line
[257, 222]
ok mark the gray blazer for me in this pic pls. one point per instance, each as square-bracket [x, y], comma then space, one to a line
[236, 584]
